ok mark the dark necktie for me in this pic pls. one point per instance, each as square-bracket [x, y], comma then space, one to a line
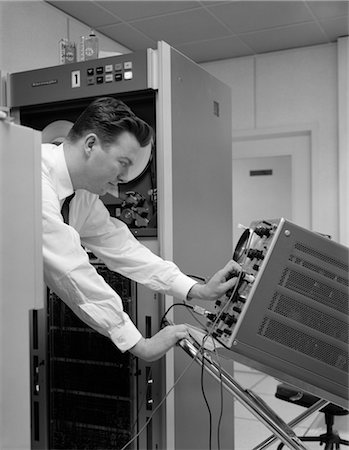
[65, 208]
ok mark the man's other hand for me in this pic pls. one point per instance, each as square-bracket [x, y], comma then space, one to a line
[153, 348]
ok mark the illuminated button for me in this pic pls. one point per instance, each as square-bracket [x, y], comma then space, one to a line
[100, 79]
[128, 75]
[128, 65]
[90, 80]
[109, 68]
[108, 77]
[90, 71]
[118, 66]
[118, 76]
[99, 70]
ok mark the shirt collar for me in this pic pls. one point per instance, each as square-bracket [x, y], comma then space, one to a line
[64, 185]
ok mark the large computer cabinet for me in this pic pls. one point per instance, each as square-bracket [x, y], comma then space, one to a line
[187, 190]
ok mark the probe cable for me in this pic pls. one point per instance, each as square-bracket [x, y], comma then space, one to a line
[221, 398]
[169, 391]
[209, 334]
[204, 395]
[200, 351]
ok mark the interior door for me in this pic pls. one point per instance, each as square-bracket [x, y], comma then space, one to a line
[271, 179]
[263, 188]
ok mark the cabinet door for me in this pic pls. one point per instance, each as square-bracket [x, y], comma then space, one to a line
[21, 282]
[194, 186]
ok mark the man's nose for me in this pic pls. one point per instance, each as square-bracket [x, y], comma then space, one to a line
[123, 176]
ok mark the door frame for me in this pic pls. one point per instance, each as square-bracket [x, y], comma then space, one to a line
[310, 130]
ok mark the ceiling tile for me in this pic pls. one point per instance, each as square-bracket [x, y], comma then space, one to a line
[183, 27]
[134, 10]
[214, 2]
[231, 47]
[328, 9]
[87, 12]
[251, 15]
[335, 28]
[210, 29]
[127, 36]
[284, 38]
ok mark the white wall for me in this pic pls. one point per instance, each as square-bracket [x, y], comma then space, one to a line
[288, 88]
[293, 87]
[31, 30]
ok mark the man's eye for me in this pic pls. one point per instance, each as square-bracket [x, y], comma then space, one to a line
[123, 163]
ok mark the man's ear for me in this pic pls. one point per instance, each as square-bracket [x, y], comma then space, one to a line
[90, 143]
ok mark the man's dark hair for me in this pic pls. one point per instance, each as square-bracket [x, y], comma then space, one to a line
[108, 117]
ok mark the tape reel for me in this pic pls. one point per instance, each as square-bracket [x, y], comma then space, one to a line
[141, 164]
[56, 132]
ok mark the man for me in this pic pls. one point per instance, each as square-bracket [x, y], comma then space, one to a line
[102, 145]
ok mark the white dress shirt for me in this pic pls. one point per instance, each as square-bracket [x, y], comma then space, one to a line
[67, 270]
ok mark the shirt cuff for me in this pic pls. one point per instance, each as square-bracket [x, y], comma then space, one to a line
[181, 286]
[125, 337]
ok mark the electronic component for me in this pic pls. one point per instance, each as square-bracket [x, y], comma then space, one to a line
[250, 252]
[289, 317]
[91, 390]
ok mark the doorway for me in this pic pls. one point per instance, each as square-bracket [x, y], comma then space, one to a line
[271, 178]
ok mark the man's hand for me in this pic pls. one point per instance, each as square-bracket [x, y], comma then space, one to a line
[155, 347]
[218, 284]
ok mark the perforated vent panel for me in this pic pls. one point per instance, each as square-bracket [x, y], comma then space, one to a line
[304, 343]
[318, 269]
[310, 317]
[318, 255]
[317, 290]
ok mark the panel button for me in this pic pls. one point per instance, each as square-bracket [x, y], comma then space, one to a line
[99, 70]
[128, 75]
[118, 66]
[90, 80]
[109, 68]
[100, 79]
[108, 77]
[128, 65]
[118, 76]
[90, 71]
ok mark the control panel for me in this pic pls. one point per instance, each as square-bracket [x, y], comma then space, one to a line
[104, 76]
[250, 252]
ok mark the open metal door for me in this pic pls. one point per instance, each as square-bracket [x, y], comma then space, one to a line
[21, 276]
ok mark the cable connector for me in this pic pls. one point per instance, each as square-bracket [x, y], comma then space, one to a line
[199, 310]
[204, 312]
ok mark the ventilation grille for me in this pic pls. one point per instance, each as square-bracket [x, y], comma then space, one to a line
[314, 289]
[310, 317]
[318, 255]
[304, 343]
[315, 268]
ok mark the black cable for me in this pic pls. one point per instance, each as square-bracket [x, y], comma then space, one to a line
[222, 400]
[163, 318]
[204, 395]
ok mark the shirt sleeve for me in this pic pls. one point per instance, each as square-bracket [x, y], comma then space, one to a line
[67, 272]
[112, 241]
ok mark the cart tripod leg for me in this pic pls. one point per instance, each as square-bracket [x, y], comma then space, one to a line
[250, 400]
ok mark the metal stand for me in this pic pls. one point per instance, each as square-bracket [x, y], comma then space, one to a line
[250, 400]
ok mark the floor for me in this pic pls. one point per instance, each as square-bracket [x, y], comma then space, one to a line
[249, 432]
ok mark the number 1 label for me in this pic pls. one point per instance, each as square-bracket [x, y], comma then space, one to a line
[75, 79]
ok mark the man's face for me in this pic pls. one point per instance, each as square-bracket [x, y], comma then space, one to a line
[106, 167]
